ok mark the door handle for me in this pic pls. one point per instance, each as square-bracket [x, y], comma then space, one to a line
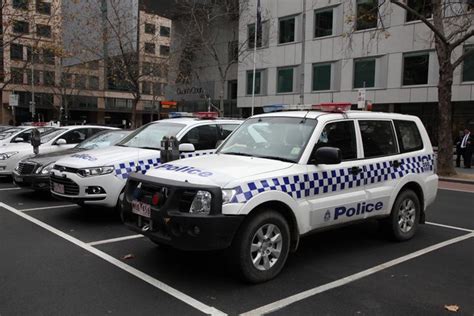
[355, 170]
[396, 163]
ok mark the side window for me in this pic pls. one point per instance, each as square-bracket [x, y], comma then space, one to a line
[94, 131]
[226, 130]
[75, 136]
[378, 138]
[408, 135]
[25, 135]
[202, 137]
[340, 135]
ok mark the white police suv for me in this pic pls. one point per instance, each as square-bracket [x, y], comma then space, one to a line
[98, 177]
[282, 175]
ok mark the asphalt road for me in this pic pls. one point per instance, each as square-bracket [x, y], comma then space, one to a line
[60, 259]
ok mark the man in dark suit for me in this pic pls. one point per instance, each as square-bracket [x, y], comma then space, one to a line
[467, 144]
[459, 152]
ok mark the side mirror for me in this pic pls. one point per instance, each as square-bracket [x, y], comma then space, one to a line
[186, 148]
[61, 141]
[18, 140]
[327, 156]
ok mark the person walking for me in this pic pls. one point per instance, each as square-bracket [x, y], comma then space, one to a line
[467, 146]
[459, 151]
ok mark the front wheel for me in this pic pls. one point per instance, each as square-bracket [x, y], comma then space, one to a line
[405, 217]
[261, 246]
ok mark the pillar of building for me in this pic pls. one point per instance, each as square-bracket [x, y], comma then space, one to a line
[5, 110]
[100, 110]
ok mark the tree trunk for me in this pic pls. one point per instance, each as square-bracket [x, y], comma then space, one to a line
[134, 113]
[445, 135]
[221, 98]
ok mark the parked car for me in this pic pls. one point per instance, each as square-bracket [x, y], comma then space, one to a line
[19, 134]
[34, 172]
[4, 127]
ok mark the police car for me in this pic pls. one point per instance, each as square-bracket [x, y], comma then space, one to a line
[98, 177]
[52, 140]
[19, 134]
[282, 175]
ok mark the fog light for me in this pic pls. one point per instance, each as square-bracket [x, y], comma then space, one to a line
[95, 190]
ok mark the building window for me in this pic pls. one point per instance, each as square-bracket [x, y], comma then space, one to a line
[21, 27]
[17, 75]
[93, 82]
[150, 28]
[43, 30]
[251, 36]
[364, 73]
[323, 23]
[48, 78]
[415, 69]
[146, 87]
[16, 52]
[423, 7]
[165, 31]
[150, 48]
[233, 52]
[287, 30]
[37, 77]
[285, 80]
[66, 80]
[20, 4]
[164, 50]
[80, 82]
[43, 7]
[48, 56]
[468, 65]
[35, 53]
[258, 82]
[367, 14]
[321, 77]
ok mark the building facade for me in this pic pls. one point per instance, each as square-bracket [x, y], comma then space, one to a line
[59, 52]
[312, 51]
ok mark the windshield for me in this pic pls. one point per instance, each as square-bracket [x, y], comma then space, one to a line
[150, 136]
[10, 132]
[50, 134]
[280, 138]
[103, 139]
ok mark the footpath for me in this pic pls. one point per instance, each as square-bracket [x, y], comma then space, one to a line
[463, 181]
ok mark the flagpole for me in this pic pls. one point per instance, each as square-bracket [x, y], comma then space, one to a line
[254, 61]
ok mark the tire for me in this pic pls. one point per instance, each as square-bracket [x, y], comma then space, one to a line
[269, 252]
[405, 216]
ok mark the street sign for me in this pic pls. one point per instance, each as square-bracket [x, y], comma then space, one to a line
[14, 99]
[361, 99]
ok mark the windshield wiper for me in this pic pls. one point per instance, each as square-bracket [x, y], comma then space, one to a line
[277, 158]
[237, 154]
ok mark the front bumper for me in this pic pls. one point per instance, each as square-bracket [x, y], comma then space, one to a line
[33, 181]
[170, 225]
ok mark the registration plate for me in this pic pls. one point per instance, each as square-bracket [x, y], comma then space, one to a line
[58, 188]
[141, 209]
[18, 180]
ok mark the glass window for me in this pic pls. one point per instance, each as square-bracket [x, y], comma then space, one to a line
[48, 56]
[378, 138]
[258, 82]
[287, 30]
[17, 75]
[202, 137]
[150, 28]
[165, 31]
[20, 4]
[66, 80]
[225, 130]
[364, 73]
[468, 65]
[150, 136]
[340, 135]
[367, 14]
[93, 82]
[43, 7]
[21, 27]
[50, 134]
[323, 23]
[415, 69]
[251, 36]
[75, 136]
[16, 52]
[278, 138]
[285, 80]
[322, 77]
[164, 50]
[233, 51]
[43, 30]
[146, 87]
[150, 48]
[103, 139]
[409, 138]
[423, 7]
[48, 78]
[80, 82]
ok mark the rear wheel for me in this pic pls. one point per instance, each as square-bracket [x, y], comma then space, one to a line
[405, 217]
[261, 246]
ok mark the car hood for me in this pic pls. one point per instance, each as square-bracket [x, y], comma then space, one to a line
[218, 169]
[21, 147]
[44, 159]
[107, 157]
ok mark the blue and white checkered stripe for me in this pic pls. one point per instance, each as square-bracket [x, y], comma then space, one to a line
[197, 154]
[304, 185]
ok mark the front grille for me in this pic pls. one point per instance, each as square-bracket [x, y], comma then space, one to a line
[186, 200]
[70, 187]
[65, 169]
[25, 168]
[182, 199]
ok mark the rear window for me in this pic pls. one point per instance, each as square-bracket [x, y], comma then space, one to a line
[378, 138]
[409, 137]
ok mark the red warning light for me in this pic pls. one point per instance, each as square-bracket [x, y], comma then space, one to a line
[335, 107]
[207, 115]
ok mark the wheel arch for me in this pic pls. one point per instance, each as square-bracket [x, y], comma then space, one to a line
[415, 187]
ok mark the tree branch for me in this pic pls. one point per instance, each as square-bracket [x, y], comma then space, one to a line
[461, 58]
[462, 39]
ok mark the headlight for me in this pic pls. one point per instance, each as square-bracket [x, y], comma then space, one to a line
[201, 203]
[96, 171]
[228, 195]
[5, 156]
[45, 169]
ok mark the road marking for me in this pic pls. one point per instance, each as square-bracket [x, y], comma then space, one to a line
[457, 190]
[48, 207]
[10, 189]
[137, 273]
[451, 227]
[108, 241]
[351, 278]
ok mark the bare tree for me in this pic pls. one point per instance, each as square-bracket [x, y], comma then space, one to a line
[452, 24]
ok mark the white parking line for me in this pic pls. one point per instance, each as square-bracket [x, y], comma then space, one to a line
[48, 207]
[351, 278]
[137, 273]
[108, 241]
[451, 227]
[10, 189]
